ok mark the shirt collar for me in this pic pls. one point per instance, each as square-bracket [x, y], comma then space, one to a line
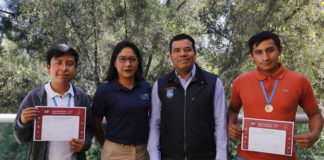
[118, 86]
[51, 93]
[280, 74]
[192, 73]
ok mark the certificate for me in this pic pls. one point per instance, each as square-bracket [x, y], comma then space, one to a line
[59, 123]
[268, 136]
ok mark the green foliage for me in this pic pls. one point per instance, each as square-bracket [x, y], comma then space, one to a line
[94, 152]
[221, 29]
[20, 74]
[10, 149]
[232, 145]
[316, 151]
[230, 23]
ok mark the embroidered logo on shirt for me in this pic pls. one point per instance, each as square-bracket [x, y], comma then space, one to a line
[285, 90]
[170, 93]
[145, 96]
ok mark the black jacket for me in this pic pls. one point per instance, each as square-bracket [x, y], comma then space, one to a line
[187, 117]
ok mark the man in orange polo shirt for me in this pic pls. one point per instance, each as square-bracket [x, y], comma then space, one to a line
[289, 88]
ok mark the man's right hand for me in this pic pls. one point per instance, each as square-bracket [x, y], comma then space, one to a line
[28, 114]
[234, 131]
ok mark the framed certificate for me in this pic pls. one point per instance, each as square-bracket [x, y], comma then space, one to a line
[268, 136]
[60, 123]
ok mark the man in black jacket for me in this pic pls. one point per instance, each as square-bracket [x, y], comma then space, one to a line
[188, 118]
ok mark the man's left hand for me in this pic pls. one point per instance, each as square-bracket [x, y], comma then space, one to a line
[76, 145]
[305, 140]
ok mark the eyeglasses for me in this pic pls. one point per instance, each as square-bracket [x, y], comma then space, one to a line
[123, 59]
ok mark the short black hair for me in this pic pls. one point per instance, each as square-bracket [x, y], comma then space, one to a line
[182, 37]
[59, 50]
[261, 36]
[112, 71]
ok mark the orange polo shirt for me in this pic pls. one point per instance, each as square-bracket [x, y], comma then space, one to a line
[293, 89]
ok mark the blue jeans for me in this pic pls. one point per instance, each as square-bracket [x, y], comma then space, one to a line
[237, 157]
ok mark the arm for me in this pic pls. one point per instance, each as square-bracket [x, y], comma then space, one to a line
[99, 134]
[77, 145]
[234, 131]
[220, 133]
[22, 126]
[309, 104]
[306, 140]
[99, 109]
[154, 134]
[28, 114]
[89, 126]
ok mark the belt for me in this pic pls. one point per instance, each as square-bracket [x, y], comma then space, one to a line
[134, 144]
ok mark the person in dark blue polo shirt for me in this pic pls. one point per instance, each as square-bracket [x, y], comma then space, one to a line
[125, 103]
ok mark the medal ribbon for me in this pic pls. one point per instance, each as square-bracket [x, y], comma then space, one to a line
[69, 102]
[273, 90]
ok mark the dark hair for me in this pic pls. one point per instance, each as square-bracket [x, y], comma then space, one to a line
[182, 37]
[59, 50]
[112, 72]
[261, 36]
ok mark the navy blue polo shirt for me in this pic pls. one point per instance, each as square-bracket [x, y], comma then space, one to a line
[126, 111]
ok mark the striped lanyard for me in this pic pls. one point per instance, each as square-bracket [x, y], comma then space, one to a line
[69, 102]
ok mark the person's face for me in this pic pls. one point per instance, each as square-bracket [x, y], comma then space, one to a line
[182, 55]
[126, 63]
[266, 56]
[62, 69]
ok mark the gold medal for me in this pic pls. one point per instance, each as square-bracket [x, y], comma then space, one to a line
[268, 108]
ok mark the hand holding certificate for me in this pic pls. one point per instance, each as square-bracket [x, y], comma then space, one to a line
[59, 124]
[275, 137]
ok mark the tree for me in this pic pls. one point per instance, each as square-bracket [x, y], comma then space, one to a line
[230, 23]
[221, 29]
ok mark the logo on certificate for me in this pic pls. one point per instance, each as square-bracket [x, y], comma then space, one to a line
[47, 111]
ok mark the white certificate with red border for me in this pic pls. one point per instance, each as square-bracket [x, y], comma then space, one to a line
[268, 136]
[60, 123]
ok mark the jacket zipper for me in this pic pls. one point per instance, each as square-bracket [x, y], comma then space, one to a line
[184, 126]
